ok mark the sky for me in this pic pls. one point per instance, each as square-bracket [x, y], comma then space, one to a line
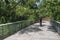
[38, 2]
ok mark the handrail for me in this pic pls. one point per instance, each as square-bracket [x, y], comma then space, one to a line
[58, 22]
[55, 21]
[56, 25]
[10, 28]
[13, 23]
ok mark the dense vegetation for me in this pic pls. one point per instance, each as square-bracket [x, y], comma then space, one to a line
[17, 10]
[51, 8]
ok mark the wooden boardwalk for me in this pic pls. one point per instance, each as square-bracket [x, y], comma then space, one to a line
[35, 32]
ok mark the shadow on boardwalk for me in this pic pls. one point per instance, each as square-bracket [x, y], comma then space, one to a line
[36, 28]
[36, 32]
[51, 28]
[32, 28]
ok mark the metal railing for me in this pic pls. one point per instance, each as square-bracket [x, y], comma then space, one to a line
[56, 25]
[11, 28]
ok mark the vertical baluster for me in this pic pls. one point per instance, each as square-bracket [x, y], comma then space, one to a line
[15, 28]
[18, 27]
[9, 30]
[2, 33]
[21, 25]
[25, 23]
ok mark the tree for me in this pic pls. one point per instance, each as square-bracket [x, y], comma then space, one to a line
[17, 10]
[51, 8]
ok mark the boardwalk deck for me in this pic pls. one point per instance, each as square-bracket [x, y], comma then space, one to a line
[35, 32]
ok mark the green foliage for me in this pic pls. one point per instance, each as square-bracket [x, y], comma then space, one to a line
[51, 8]
[17, 10]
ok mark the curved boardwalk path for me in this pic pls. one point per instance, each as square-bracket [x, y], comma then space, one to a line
[35, 32]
